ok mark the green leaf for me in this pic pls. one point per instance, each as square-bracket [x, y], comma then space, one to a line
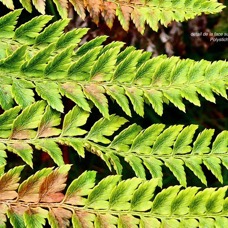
[37, 63]
[136, 165]
[191, 223]
[73, 120]
[6, 99]
[98, 198]
[194, 164]
[16, 220]
[28, 120]
[214, 165]
[215, 202]
[115, 161]
[161, 74]
[8, 22]
[27, 5]
[122, 55]
[206, 92]
[86, 47]
[80, 69]
[125, 70]
[122, 141]
[74, 92]
[203, 140]
[6, 121]
[154, 167]
[13, 61]
[28, 31]
[95, 93]
[155, 99]
[174, 96]
[166, 139]
[49, 91]
[57, 67]
[76, 144]
[143, 74]
[23, 150]
[35, 217]
[144, 58]
[180, 205]
[3, 157]
[194, 75]
[198, 204]
[179, 73]
[221, 221]
[172, 223]
[50, 147]
[163, 200]
[147, 222]
[122, 193]
[220, 144]
[181, 146]
[177, 168]
[123, 14]
[219, 88]
[51, 33]
[142, 196]
[49, 121]
[22, 92]
[62, 7]
[103, 67]
[105, 127]
[146, 138]
[118, 94]
[80, 187]
[111, 45]
[136, 97]
[72, 37]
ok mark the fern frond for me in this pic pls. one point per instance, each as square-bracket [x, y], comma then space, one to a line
[110, 203]
[175, 147]
[141, 12]
[32, 60]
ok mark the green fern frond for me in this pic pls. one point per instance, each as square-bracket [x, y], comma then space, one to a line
[139, 12]
[175, 147]
[32, 60]
[110, 203]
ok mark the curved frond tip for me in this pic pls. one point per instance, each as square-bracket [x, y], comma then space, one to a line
[141, 12]
[146, 150]
[33, 57]
[110, 203]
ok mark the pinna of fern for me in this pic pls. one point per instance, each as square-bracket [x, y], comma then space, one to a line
[145, 150]
[33, 57]
[141, 12]
[110, 203]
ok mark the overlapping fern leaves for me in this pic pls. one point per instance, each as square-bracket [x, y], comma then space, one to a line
[176, 147]
[39, 66]
[141, 12]
[110, 203]
[46, 63]
[33, 57]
